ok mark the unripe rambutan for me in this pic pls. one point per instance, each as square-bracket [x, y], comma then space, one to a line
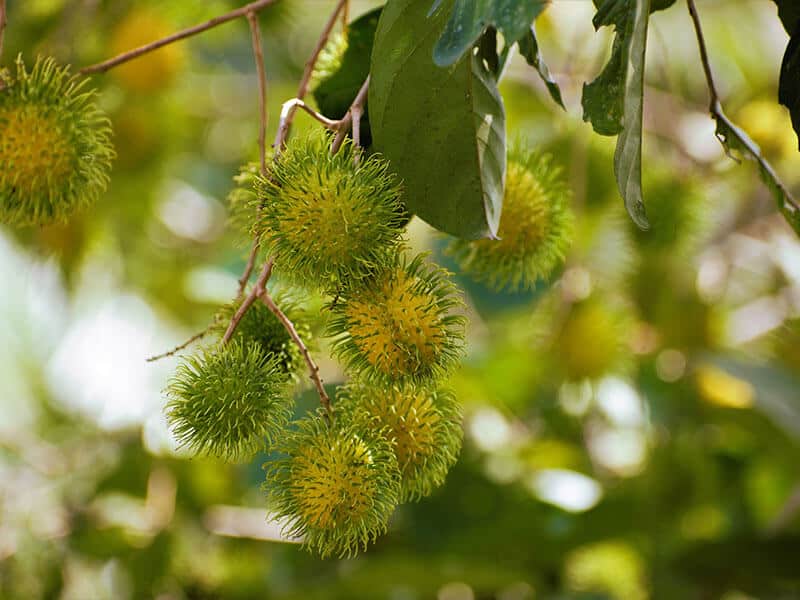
[399, 325]
[423, 424]
[330, 60]
[259, 326]
[55, 148]
[536, 227]
[336, 485]
[327, 220]
[228, 401]
[592, 341]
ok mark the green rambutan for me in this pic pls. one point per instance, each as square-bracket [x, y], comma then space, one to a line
[55, 145]
[399, 324]
[336, 485]
[260, 326]
[592, 340]
[536, 227]
[327, 220]
[423, 424]
[229, 401]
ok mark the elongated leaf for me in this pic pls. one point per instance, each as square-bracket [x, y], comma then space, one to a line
[789, 88]
[738, 142]
[628, 155]
[443, 129]
[470, 18]
[604, 98]
[529, 48]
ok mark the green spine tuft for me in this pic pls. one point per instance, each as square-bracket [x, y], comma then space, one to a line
[229, 400]
[536, 228]
[326, 220]
[259, 326]
[243, 202]
[423, 424]
[399, 325]
[336, 484]
[55, 145]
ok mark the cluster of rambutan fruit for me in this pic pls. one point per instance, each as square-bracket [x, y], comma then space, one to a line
[333, 225]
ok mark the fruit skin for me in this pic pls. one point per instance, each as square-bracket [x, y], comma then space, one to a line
[536, 227]
[227, 401]
[336, 484]
[259, 326]
[327, 221]
[55, 145]
[422, 423]
[399, 325]
[154, 70]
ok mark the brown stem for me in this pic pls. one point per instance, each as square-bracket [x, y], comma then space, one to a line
[701, 42]
[180, 35]
[305, 81]
[353, 114]
[248, 270]
[312, 366]
[257, 290]
[287, 115]
[345, 16]
[787, 204]
[176, 349]
[258, 53]
[302, 89]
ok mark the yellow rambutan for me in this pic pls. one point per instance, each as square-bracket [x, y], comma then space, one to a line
[399, 324]
[336, 484]
[423, 424]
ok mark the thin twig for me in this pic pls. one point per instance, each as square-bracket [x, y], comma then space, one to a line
[258, 289]
[305, 81]
[248, 270]
[701, 42]
[2, 23]
[353, 114]
[287, 115]
[180, 35]
[312, 366]
[787, 204]
[258, 54]
[177, 349]
[345, 16]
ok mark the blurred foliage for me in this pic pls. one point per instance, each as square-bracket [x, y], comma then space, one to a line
[631, 426]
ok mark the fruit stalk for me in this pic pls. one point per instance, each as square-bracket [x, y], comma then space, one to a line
[104, 66]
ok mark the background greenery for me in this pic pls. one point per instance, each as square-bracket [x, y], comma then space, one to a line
[631, 428]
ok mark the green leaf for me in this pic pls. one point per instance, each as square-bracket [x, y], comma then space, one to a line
[336, 91]
[738, 142]
[470, 18]
[789, 87]
[529, 48]
[789, 13]
[443, 129]
[628, 155]
[603, 99]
